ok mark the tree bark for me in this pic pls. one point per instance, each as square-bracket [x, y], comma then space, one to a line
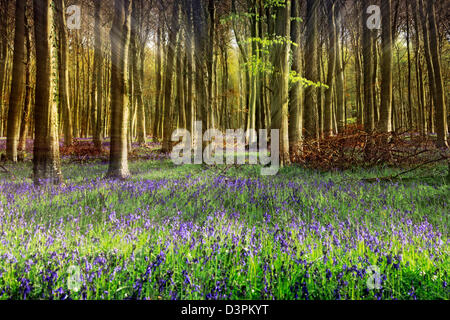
[28, 94]
[158, 77]
[46, 162]
[328, 108]
[311, 130]
[367, 44]
[340, 106]
[385, 123]
[3, 57]
[17, 83]
[65, 106]
[120, 38]
[439, 96]
[173, 32]
[280, 80]
[296, 92]
[97, 83]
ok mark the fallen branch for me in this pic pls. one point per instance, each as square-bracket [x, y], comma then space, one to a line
[394, 177]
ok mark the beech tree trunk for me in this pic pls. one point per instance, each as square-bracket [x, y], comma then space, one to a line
[280, 80]
[97, 83]
[17, 83]
[439, 95]
[65, 102]
[120, 38]
[28, 93]
[385, 123]
[328, 109]
[296, 92]
[311, 130]
[46, 161]
[3, 56]
[173, 32]
[340, 105]
[367, 44]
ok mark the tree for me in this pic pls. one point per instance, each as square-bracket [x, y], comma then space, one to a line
[439, 97]
[328, 112]
[97, 84]
[24, 124]
[368, 71]
[120, 38]
[158, 77]
[429, 62]
[173, 32]
[187, 9]
[385, 123]
[17, 85]
[3, 56]
[46, 162]
[340, 99]
[311, 50]
[200, 44]
[138, 67]
[64, 75]
[296, 92]
[280, 78]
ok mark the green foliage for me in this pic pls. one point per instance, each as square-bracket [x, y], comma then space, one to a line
[294, 77]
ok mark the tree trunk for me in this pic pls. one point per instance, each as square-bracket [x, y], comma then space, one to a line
[328, 108]
[428, 59]
[3, 57]
[280, 80]
[189, 35]
[158, 77]
[296, 94]
[179, 100]
[408, 50]
[173, 32]
[97, 83]
[210, 62]
[120, 38]
[46, 162]
[340, 106]
[367, 44]
[63, 72]
[17, 83]
[385, 123]
[137, 51]
[439, 96]
[28, 94]
[200, 36]
[311, 130]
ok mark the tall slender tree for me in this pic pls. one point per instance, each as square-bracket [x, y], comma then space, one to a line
[120, 39]
[385, 123]
[46, 161]
[311, 55]
[296, 92]
[280, 78]
[328, 110]
[368, 70]
[64, 96]
[340, 98]
[439, 96]
[170, 64]
[17, 85]
[24, 124]
[97, 84]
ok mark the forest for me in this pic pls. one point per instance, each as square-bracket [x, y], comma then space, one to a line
[351, 96]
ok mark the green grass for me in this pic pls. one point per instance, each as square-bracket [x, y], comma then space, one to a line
[188, 233]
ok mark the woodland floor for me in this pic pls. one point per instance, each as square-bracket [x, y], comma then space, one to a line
[196, 232]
